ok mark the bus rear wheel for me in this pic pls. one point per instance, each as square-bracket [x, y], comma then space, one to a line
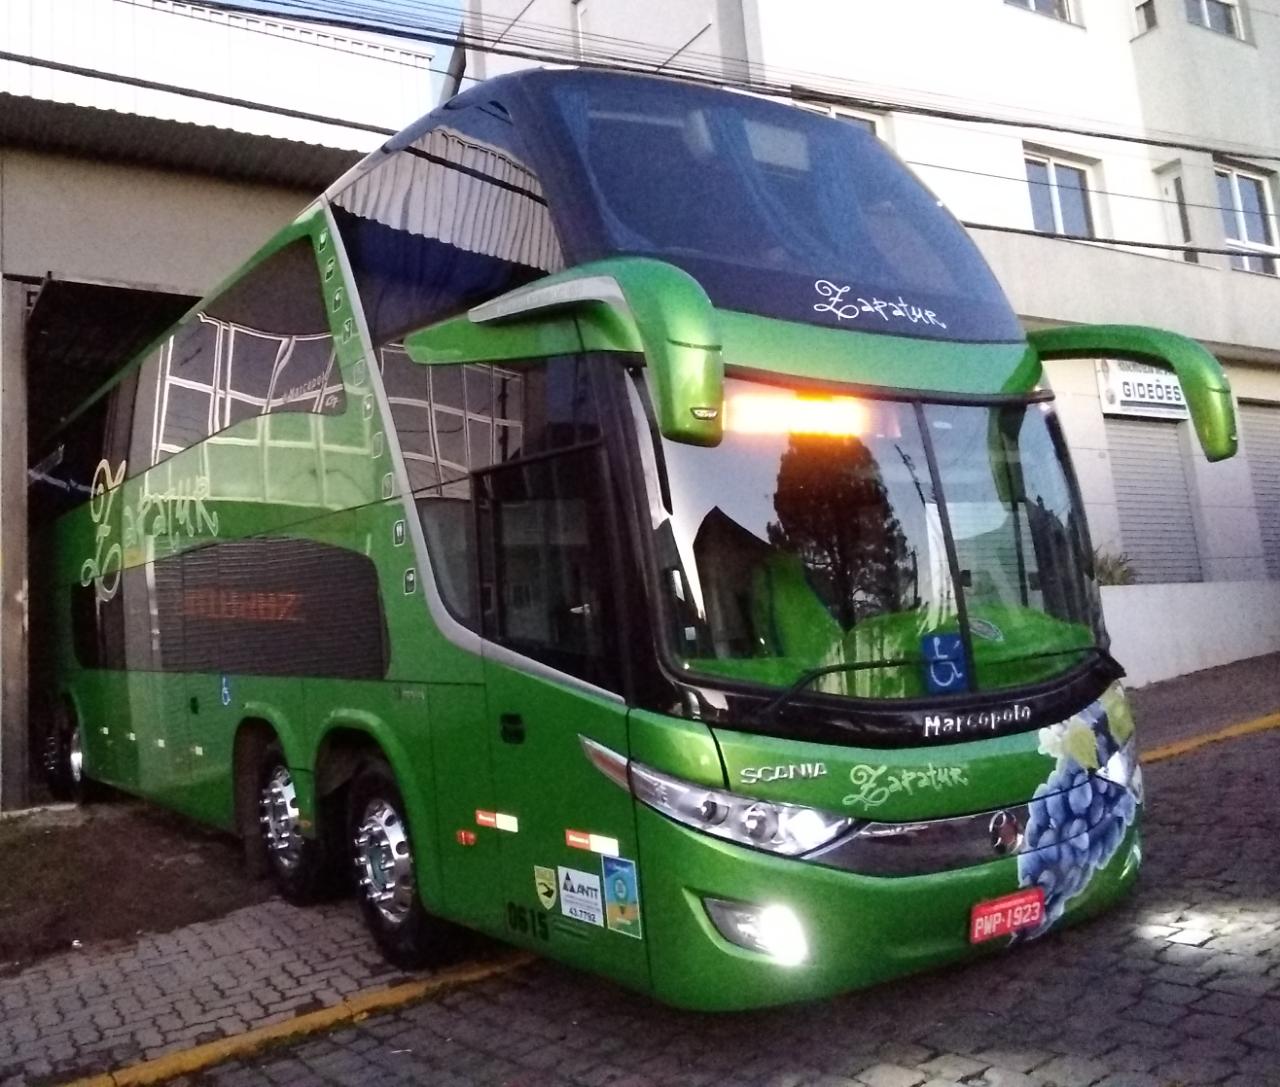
[298, 864]
[63, 759]
[382, 854]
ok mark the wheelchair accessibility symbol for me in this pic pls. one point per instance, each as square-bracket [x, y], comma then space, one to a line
[944, 664]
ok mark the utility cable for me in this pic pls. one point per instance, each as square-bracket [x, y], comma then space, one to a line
[536, 49]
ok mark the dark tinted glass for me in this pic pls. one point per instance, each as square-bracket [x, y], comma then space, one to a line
[455, 421]
[545, 564]
[263, 346]
[1073, 199]
[775, 210]
[1041, 198]
[450, 220]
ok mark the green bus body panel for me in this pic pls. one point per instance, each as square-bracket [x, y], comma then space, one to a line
[896, 785]
[788, 349]
[545, 781]
[1204, 384]
[686, 749]
[861, 929]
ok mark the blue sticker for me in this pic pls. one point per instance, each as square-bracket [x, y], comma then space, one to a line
[621, 895]
[225, 691]
[944, 665]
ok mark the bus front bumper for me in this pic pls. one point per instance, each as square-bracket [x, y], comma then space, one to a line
[846, 930]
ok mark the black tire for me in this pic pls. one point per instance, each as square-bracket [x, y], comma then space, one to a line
[300, 867]
[63, 759]
[407, 935]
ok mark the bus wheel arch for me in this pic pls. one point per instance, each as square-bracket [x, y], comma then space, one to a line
[269, 819]
[384, 858]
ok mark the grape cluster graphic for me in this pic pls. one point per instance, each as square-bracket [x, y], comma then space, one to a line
[1078, 819]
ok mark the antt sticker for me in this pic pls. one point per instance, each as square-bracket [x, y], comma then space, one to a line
[580, 896]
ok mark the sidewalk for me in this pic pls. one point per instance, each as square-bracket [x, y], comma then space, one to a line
[105, 1006]
[1207, 701]
[92, 1010]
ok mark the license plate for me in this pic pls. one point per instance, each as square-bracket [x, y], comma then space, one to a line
[1002, 916]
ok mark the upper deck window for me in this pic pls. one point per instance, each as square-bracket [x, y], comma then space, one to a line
[775, 210]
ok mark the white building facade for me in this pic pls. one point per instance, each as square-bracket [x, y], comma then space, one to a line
[1195, 86]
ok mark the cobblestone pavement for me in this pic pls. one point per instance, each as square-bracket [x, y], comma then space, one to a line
[103, 1008]
[1180, 986]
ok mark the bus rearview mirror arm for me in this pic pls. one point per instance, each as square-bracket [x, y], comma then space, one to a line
[1204, 384]
[638, 304]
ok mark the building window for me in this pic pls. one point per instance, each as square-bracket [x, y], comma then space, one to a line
[1145, 13]
[1057, 9]
[1059, 196]
[1219, 15]
[1176, 214]
[1248, 219]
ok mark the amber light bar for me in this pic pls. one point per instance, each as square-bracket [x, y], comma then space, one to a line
[787, 413]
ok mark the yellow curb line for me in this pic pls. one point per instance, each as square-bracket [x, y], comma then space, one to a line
[350, 1009]
[1231, 732]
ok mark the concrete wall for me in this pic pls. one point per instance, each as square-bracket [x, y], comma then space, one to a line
[124, 224]
[1157, 634]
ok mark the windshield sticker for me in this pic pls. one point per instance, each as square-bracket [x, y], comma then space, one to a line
[985, 629]
[580, 896]
[961, 724]
[944, 665]
[1081, 813]
[753, 775]
[875, 784]
[887, 310]
[621, 896]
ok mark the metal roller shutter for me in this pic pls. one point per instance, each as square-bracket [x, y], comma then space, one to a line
[1153, 499]
[1260, 428]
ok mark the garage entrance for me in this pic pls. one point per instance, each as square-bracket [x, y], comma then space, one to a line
[60, 340]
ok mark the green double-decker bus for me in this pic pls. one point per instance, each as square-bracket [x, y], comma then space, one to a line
[626, 518]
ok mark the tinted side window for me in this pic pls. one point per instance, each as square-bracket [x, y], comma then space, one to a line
[63, 477]
[545, 563]
[263, 346]
[456, 217]
[454, 421]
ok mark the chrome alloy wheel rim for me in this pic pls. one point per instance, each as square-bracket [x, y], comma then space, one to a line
[384, 862]
[75, 757]
[278, 814]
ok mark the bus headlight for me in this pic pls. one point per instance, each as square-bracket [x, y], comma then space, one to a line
[772, 930]
[788, 829]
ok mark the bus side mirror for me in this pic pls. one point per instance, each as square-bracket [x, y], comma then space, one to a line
[1204, 385]
[637, 304]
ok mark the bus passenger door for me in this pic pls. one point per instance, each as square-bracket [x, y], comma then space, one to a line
[566, 831]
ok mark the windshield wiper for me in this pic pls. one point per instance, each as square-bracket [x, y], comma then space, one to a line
[767, 712]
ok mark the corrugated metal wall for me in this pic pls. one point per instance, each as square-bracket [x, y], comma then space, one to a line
[1260, 430]
[1156, 526]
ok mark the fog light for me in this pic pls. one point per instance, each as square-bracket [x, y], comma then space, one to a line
[772, 930]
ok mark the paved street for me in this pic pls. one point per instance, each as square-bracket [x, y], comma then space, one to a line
[1179, 986]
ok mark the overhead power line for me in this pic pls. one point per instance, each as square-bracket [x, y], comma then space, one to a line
[241, 103]
[553, 45]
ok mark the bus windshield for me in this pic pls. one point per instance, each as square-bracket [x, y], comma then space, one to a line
[775, 210]
[913, 549]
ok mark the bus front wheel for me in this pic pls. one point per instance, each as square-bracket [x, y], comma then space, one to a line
[382, 854]
[298, 864]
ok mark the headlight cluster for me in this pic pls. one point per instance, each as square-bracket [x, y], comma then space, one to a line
[787, 829]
